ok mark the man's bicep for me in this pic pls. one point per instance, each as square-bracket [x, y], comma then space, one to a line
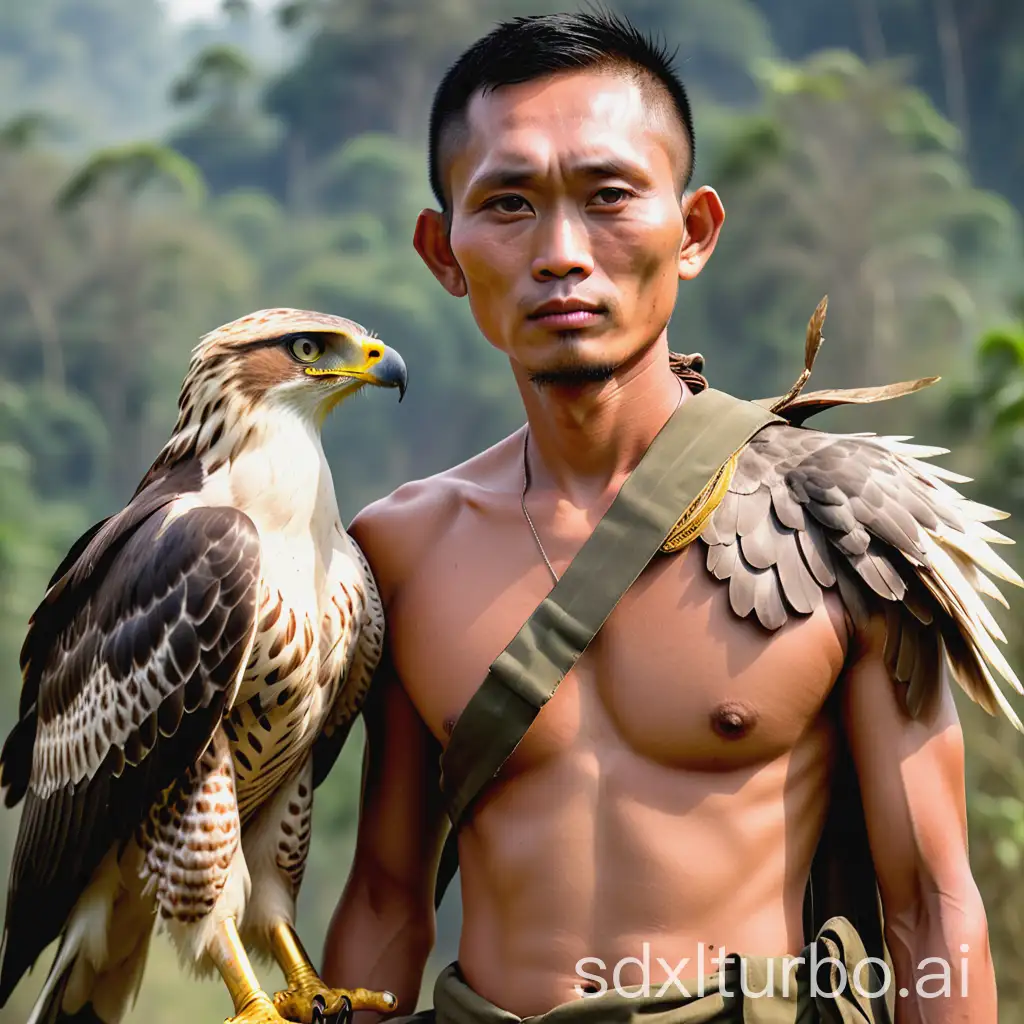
[911, 774]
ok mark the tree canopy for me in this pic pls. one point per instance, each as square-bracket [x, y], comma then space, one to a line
[160, 181]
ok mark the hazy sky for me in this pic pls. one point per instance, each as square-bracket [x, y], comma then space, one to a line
[185, 10]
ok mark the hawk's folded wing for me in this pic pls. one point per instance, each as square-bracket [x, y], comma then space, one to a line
[808, 510]
[128, 665]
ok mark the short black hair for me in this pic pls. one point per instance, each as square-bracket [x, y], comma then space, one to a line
[524, 49]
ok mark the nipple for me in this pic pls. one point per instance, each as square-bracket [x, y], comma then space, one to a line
[733, 719]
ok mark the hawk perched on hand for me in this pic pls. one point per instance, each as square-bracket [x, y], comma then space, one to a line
[189, 678]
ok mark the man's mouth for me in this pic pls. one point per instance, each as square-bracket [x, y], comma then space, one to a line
[567, 313]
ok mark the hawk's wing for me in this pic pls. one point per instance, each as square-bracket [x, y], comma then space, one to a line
[368, 643]
[807, 510]
[128, 665]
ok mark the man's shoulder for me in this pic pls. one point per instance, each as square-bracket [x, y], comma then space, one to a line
[394, 531]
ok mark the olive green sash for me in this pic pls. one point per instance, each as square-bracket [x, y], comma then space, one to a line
[691, 449]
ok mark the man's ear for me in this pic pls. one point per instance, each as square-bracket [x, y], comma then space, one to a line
[432, 243]
[703, 215]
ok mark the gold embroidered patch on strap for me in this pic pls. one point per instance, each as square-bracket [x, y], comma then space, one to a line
[692, 521]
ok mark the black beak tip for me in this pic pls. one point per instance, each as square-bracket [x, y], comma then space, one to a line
[397, 372]
[391, 372]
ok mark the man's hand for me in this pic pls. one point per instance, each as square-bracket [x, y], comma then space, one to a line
[911, 775]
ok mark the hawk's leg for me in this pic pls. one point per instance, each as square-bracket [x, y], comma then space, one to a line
[252, 1004]
[277, 844]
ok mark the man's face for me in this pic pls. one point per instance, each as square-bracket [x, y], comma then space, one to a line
[566, 224]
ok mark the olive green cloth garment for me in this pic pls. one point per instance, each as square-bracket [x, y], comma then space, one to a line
[760, 990]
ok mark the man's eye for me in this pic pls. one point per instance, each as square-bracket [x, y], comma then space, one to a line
[508, 204]
[610, 196]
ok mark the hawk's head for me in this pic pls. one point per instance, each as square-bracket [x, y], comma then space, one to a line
[309, 361]
[273, 369]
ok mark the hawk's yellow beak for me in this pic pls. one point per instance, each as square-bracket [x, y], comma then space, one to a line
[374, 363]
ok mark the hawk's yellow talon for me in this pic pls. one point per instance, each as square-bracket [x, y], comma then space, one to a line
[304, 984]
[296, 1004]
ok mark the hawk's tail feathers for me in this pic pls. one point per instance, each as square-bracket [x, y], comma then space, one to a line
[97, 971]
[108, 993]
[47, 1007]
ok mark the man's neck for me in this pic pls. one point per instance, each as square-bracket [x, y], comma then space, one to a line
[585, 439]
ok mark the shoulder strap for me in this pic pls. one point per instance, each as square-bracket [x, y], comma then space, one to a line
[691, 449]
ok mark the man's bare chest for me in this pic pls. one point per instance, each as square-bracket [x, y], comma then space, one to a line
[674, 676]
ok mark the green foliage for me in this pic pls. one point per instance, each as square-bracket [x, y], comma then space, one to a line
[1003, 817]
[756, 140]
[847, 183]
[33, 533]
[987, 410]
[967, 57]
[220, 69]
[133, 168]
[228, 136]
[369, 67]
[101, 66]
[24, 130]
[300, 186]
[62, 438]
[995, 785]
[1000, 394]
[718, 43]
[374, 172]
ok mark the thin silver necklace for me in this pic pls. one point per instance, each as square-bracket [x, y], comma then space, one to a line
[526, 485]
[533, 529]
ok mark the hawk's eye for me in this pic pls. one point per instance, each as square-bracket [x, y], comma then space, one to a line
[306, 350]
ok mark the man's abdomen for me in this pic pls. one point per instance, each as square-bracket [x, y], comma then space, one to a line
[599, 856]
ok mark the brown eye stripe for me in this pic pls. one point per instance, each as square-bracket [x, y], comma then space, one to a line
[283, 340]
[263, 369]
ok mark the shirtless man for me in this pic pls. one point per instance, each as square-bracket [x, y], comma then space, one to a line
[674, 789]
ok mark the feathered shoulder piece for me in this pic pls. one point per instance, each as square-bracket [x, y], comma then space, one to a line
[801, 510]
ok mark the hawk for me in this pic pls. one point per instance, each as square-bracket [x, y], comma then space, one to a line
[799, 511]
[188, 680]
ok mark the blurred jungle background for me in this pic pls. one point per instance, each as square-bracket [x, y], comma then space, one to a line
[166, 167]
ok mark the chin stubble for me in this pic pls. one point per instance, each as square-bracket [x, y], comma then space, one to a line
[573, 371]
[567, 375]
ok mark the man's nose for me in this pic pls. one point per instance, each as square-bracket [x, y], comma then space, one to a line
[564, 249]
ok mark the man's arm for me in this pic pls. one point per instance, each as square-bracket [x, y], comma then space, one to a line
[384, 926]
[911, 775]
